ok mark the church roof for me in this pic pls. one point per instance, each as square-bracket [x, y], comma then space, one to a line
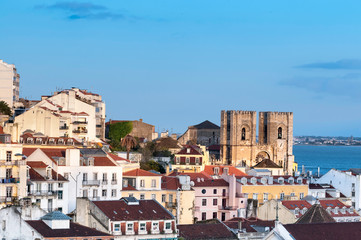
[316, 214]
[266, 163]
[205, 125]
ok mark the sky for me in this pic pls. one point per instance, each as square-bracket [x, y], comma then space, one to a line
[178, 63]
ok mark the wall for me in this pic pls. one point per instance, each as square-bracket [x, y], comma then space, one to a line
[268, 212]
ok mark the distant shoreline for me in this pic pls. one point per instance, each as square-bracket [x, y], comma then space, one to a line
[322, 145]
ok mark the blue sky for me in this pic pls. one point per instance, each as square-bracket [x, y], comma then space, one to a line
[177, 63]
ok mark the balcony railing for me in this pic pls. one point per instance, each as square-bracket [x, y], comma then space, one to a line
[80, 131]
[171, 204]
[91, 183]
[42, 193]
[226, 208]
[63, 127]
[105, 182]
[8, 199]
[9, 180]
[114, 182]
[12, 163]
[80, 122]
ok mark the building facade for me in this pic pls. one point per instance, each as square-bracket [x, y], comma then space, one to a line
[239, 145]
[9, 83]
[205, 133]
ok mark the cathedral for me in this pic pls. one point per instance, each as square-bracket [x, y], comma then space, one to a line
[239, 143]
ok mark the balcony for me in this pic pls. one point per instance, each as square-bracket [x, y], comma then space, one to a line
[105, 182]
[114, 182]
[80, 122]
[91, 183]
[80, 131]
[9, 180]
[63, 127]
[43, 193]
[12, 163]
[226, 208]
[8, 199]
[171, 204]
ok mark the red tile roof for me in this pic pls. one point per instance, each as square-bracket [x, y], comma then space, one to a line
[189, 150]
[36, 164]
[170, 183]
[207, 230]
[117, 158]
[103, 161]
[119, 210]
[35, 176]
[139, 172]
[210, 183]
[209, 169]
[28, 151]
[58, 177]
[323, 231]
[293, 204]
[191, 175]
[75, 230]
[129, 188]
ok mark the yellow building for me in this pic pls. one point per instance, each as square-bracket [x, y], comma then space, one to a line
[191, 159]
[264, 189]
[172, 192]
[12, 171]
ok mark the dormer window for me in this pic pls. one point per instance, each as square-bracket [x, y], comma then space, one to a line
[38, 141]
[225, 170]
[61, 141]
[177, 159]
[51, 140]
[216, 170]
[280, 180]
[253, 180]
[197, 160]
[29, 140]
[188, 150]
[155, 226]
[244, 181]
[48, 173]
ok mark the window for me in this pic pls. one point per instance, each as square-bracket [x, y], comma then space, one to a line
[265, 197]
[187, 160]
[214, 214]
[215, 202]
[66, 175]
[131, 195]
[197, 160]
[154, 183]
[216, 170]
[95, 176]
[225, 170]
[155, 226]
[224, 192]
[243, 137]
[214, 191]
[85, 193]
[129, 227]
[117, 227]
[114, 192]
[204, 202]
[163, 197]
[293, 194]
[141, 196]
[282, 196]
[60, 185]
[255, 196]
[104, 192]
[105, 178]
[352, 193]
[95, 193]
[204, 191]
[177, 160]
[170, 197]
[142, 183]
[8, 156]
[60, 209]
[142, 226]
[60, 194]
[153, 196]
[114, 178]
[204, 216]
[279, 133]
[168, 225]
[9, 173]
[9, 191]
[85, 176]
[50, 187]
[301, 195]
[4, 225]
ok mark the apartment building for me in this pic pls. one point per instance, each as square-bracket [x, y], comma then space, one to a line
[12, 171]
[128, 218]
[173, 193]
[65, 114]
[191, 159]
[9, 83]
[91, 173]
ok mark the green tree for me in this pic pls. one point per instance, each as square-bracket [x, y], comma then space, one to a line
[117, 131]
[152, 165]
[5, 109]
[128, 142]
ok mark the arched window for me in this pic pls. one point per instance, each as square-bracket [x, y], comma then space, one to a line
[279, 133]
[243, 134]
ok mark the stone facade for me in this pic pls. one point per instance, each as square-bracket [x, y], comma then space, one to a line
[205, 133]
[239, 145]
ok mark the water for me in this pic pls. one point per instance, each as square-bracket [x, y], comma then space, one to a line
[327, 157]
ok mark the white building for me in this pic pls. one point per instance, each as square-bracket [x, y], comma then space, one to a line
[347, 182]
[9, 83]
[65, 114]
[91, 173]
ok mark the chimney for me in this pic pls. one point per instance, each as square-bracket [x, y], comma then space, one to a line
[240, 225]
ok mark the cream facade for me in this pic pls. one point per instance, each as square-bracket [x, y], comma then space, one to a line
[9, 83]
[12, 171]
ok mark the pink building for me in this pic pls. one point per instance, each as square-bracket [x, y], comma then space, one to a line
[217, 198]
